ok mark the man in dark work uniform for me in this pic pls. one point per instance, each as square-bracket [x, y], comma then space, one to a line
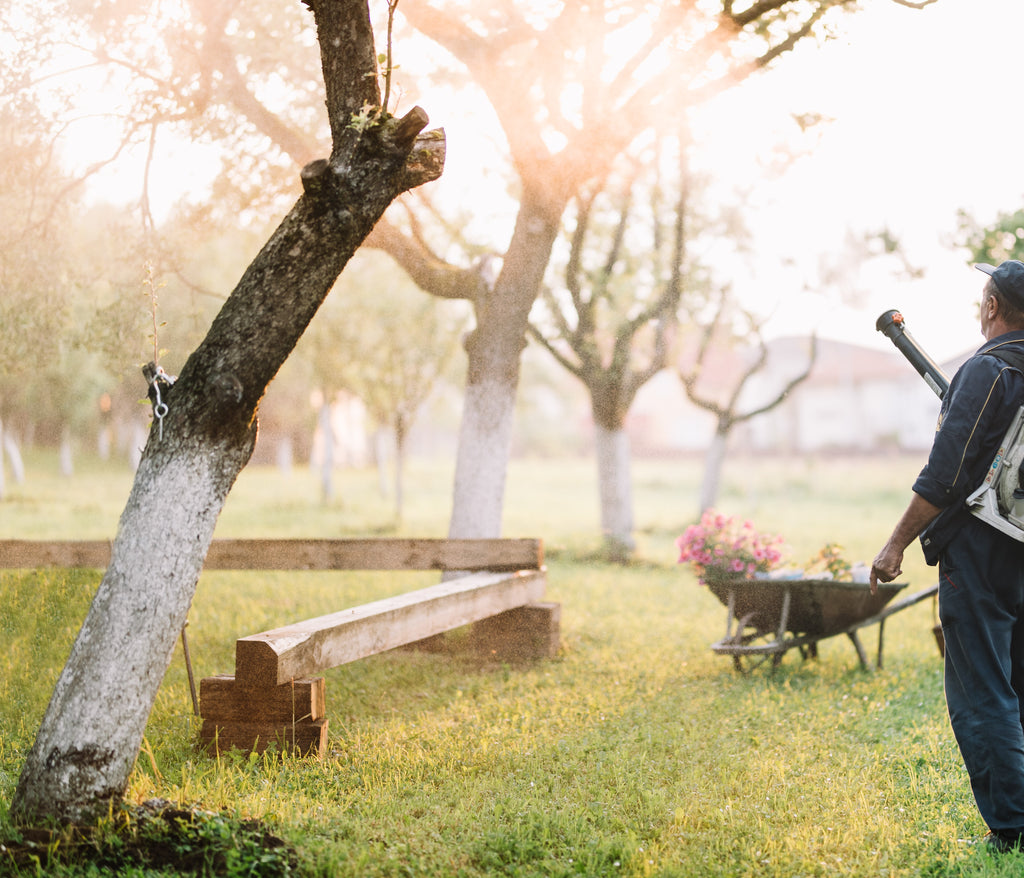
[981, 570]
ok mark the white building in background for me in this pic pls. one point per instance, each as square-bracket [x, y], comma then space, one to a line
[856, 400]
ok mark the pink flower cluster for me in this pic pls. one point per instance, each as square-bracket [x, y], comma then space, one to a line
[723, 545]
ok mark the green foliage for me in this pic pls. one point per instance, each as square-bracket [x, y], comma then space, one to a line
[366, 118]
[151, 840]
[995, 242]
[829, 560]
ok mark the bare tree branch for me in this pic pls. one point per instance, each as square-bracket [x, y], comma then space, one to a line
[429, 271]
[726, 414]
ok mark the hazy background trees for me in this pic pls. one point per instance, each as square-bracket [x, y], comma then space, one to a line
[383, 342]
[561, 95]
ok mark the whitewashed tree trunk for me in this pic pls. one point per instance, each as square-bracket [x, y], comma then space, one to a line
[93, 727]
[67, 458]
[494, 349]
[103, 443]
[714, 459]
[380, 457]
[327, 455]
[285, 456]
[485, 441]
[14, 457]
[616, 491]
[3, 482]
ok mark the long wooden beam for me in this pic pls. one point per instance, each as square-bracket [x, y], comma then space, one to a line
[343, 554]
[314, 645]
[31, 554]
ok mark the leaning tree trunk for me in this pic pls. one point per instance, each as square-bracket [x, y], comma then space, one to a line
[93, 727]
[494, 349]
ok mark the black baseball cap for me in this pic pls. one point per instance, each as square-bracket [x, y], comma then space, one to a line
[1009, 280]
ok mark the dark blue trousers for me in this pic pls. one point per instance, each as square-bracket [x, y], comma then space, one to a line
[981, 607]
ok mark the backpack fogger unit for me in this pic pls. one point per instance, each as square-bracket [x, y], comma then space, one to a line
[999, 501]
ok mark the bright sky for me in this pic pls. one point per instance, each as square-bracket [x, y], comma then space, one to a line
[927, 122]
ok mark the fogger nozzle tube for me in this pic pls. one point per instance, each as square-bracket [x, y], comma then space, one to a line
[892, 326]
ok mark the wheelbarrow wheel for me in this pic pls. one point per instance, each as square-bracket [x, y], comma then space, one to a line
[748, 662]
[754, 647]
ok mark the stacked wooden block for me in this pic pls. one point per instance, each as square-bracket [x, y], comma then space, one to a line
[290, 717]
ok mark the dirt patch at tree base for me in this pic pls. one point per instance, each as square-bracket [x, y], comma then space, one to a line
[153, 836]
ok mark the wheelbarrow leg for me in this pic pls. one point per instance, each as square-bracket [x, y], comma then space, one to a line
[780, 635]
[860, 649]
[809, 650]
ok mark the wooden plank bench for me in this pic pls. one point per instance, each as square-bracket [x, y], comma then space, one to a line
[273, 696]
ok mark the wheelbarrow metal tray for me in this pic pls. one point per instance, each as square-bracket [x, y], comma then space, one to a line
[817, 607]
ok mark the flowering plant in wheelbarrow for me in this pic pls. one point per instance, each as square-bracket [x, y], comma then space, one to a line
[721, 546]
[773, 608]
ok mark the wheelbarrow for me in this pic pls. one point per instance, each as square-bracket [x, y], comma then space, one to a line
[768, 617]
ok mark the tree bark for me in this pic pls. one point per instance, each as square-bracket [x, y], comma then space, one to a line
[616, 492]
[714, 459]
[93, 727]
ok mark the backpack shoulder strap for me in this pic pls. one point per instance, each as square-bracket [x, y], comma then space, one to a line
[1011, 353]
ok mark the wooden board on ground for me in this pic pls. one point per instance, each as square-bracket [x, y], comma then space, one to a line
[343, 554]
[272, 658]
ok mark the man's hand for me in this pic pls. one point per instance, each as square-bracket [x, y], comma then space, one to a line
[886, 567]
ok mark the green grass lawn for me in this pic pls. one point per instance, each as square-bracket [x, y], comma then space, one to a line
[636, 752]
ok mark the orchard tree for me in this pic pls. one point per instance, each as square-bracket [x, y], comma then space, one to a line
[93, 727]
[611, 322]
[726, 329]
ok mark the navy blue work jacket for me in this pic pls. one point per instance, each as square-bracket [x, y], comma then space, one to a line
[976, 411]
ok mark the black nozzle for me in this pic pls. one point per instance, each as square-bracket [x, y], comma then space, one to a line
[890, 324]
[893, 327]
